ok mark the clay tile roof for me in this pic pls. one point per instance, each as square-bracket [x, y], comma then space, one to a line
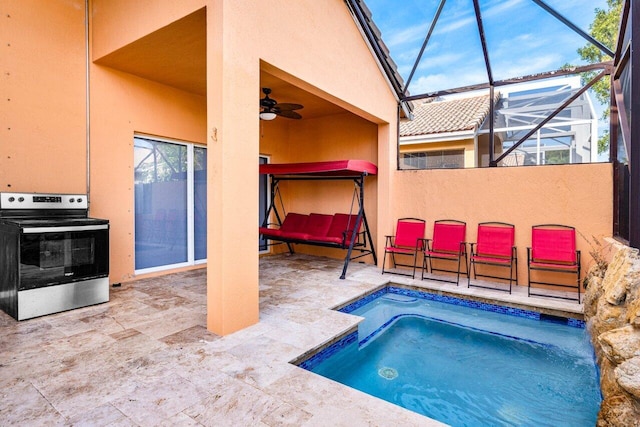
[446, 116]
[374, 36]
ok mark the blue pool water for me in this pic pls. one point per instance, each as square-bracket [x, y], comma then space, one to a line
[464, 366]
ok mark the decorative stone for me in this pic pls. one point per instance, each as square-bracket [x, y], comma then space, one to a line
[623, 271]
[608, 317]
[612, 312]
[620, 344]
[617, 411]
[633, 313]
[608, 385]
[628, 376]
[592, 294]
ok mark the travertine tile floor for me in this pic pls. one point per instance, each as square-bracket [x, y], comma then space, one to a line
[145, 358]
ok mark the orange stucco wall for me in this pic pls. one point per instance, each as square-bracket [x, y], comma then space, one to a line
[324, 54]
[42, 108]
[340, 136]
[575, 195]
[117, 23]
[124, 105]
[46, 109]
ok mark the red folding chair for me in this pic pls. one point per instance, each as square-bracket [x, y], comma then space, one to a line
[408, 240]
[448, 244]
[495, 248]
[553, 249]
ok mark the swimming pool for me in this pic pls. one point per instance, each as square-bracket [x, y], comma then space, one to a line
[466, 366]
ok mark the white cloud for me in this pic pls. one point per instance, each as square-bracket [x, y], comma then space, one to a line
[449, 59]
[442, 81]
[524, 66]
[501, 6]
[408, 35]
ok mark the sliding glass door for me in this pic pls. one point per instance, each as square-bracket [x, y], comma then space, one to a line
[264, 192]
[170, 204]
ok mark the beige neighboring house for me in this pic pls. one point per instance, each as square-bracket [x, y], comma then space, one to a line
[453, 132]
[444, 133]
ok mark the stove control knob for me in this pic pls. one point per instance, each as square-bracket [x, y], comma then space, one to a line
[21, 199]
[79, 199]
[71, 200]
[12, 199]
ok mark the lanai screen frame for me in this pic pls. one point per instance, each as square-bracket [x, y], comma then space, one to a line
[625, 132]
[624, 99]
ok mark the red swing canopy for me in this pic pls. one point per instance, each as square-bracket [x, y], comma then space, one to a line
[332, 168]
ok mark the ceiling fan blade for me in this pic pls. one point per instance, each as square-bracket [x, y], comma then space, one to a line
[270, 105]
[288, 114]
[287, 106]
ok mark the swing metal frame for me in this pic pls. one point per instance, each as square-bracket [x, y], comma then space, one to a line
[354, 239]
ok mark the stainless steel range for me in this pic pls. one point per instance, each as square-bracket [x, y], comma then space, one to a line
[54, 257]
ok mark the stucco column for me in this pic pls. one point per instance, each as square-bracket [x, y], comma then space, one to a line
[387, 141]
[232, 191]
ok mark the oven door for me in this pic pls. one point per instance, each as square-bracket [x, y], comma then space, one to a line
[55, 255]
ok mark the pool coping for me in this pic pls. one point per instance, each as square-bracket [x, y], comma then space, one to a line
[485, 300]
[511, 309]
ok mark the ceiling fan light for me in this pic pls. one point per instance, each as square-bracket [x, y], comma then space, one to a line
[267, 115]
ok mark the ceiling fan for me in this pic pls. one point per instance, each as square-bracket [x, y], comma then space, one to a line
[269, 108]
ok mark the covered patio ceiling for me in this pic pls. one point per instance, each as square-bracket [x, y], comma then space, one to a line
[285, 92]
[175, 55]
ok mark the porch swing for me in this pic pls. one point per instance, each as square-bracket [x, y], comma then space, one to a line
[342, 231]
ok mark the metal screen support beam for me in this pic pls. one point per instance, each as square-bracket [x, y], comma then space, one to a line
[552, 115]
[492, 147]
[424, 44]
[634, 154]
[616, 129]
[483, 41]
[575, 28]
[512, 80]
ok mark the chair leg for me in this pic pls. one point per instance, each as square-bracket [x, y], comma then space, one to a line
[415, 260]
[384, 260]
[424, 266]
[578, 273]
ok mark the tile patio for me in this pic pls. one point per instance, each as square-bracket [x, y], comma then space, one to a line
[146, 359]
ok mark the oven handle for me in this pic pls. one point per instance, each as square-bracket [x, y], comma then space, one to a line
[32, 230]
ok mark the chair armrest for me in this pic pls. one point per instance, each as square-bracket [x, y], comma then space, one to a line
[421, 244]
[463, 247]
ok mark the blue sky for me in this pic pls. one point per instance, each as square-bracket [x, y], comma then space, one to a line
[522, 38]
